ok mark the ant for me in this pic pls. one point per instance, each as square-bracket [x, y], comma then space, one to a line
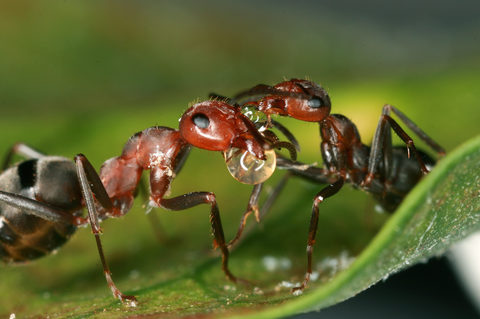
[385, 171]
[42, 198]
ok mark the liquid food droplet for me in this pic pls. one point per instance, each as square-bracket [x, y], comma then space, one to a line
[248, 169]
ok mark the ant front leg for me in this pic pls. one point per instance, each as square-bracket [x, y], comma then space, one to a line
[286, 132]
[257, 189]
[153, 218]
[326, 192]
[294, 168]
[251, 208]
[143, 190]
[90, 184]
[189, 200]
[260, 213]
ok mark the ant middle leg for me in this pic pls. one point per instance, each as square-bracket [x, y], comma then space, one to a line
[326, 192]
[415, 128]
[189, 200]
[90, 184]
[155, 223]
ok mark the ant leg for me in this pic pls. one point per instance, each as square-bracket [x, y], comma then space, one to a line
[181, 158]
[307, 171]
[196, 198]
[155, 222]
[253, 94]
[90, 184]
[408, 140]
[215, 96]
[95, 185]
[383, 138]
[275, 142]
[22, 150]
[272, 197]
[39, 209]
[287, 134]
[251, 208]
[326, 192]
[417, 130]
[157, 228]
[289, 146]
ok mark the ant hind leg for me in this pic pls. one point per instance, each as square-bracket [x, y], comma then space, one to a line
[326, 192]
[382, 143]
[39, 209]
[415, 128]
[21, 149]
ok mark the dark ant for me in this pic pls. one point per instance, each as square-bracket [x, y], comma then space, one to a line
[385, 171]
[42, 198]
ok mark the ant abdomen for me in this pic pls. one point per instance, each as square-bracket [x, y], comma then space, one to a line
[23, 236]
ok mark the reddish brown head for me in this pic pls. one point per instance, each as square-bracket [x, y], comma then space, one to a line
[301, 99]
[218, 126]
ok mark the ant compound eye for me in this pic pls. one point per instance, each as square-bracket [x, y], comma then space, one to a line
[315, 103]
[201, 120]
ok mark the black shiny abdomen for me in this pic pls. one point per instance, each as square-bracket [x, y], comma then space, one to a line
[52, 180]
[404, 175]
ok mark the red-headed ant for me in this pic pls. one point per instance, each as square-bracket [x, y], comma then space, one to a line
[42, 198]
[385, 171]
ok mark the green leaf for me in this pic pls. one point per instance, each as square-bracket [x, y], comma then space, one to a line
[443, 209]
[178, 281]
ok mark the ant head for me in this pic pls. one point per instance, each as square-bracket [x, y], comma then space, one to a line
[301, 99]
[218, 126]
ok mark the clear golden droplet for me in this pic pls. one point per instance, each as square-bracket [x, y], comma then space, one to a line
[248, 169]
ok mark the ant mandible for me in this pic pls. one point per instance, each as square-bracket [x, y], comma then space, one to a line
[385, 171]
[42, 198]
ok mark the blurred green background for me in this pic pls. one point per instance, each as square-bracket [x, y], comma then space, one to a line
[83, 76]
